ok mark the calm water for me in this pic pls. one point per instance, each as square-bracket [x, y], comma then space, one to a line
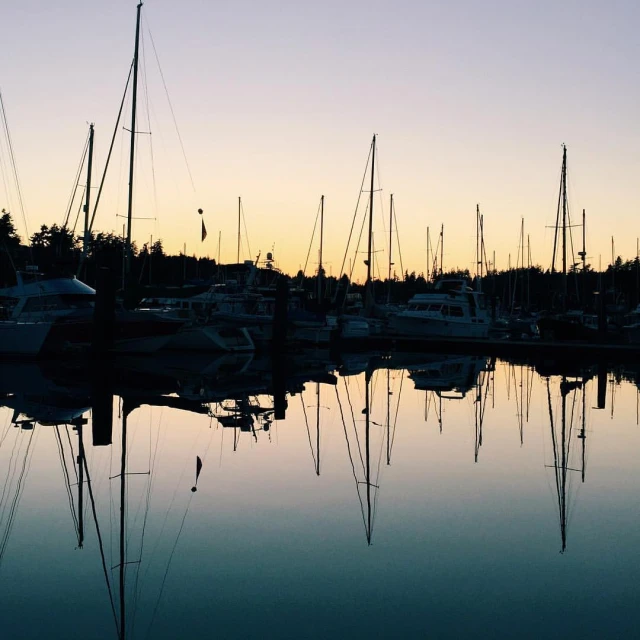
[421, 496]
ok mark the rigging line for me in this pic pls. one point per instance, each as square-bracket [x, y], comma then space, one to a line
[113, 140]
[353, 266]
[136, 589]
[395, 419]
[166, 515]
[173, 115]
[395, 219]
[8, 478]
[313, 234]
[7, 428]
[100, 545]
[355, 214]
[65, 475]
[75, 223]
[4, 178]
[246, 233]
[377, 487]
[16, 500]
[353, 468]
[72, 453]
[146, 97]
[306, 421]
[74, 189]
[14, 165]
[166, 573]
[353, 418]
[151, 484]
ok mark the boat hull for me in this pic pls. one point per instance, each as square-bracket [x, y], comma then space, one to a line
[132, 333]
[23, 338]
[429, 327]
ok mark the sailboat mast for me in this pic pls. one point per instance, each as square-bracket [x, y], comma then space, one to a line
[428, 247]
[370, 239]
[390, 245]
[87, 201]
[583, 255]
[441, 250]
[478, 285]
[239, 214]
[320, 267]
[132, 151]
[528, 273]
[564, 225]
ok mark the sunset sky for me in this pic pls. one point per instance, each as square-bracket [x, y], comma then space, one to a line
[277, 102]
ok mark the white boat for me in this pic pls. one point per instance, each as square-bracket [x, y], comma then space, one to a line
[66, 306]
[36, 297]
[23, 338]
[451, 309]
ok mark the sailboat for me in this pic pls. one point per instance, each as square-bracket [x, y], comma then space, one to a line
[569, 323]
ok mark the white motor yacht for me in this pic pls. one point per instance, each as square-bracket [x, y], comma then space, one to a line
[452, 309]
[65, 305]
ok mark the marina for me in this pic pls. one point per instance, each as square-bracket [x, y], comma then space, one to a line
[336, 333]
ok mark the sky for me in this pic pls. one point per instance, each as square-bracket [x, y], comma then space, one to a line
[277, 102]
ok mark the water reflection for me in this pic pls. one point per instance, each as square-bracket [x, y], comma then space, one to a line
[128, 484]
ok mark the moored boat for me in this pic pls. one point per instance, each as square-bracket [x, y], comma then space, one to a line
[452, 309]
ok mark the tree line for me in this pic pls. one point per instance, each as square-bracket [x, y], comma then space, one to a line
[56, 250]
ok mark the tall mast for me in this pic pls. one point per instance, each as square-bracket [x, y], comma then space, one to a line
[483, 255]
[428, 247]
[613, 269]
[133, 142]
[528, 273]
[441, 249]
[320, 267]
[239, 213]
[583, 255]
[638, 271]
[478, 286]
[564, 226]
[369, 291]
[390, 245]
[87, 201]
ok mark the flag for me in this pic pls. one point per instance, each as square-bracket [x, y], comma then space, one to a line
[198, 470]
[204, 231]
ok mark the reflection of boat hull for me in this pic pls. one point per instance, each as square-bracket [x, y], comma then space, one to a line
[23, 338]
[211, 338]
[449, 374]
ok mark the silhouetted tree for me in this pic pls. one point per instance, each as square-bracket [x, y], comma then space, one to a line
[9, 237]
